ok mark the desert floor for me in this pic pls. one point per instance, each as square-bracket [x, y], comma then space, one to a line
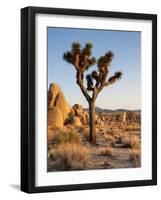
[117, 146]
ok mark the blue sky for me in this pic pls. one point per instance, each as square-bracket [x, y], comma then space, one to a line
[126, 93]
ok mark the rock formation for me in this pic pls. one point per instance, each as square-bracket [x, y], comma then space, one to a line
[81, 114]
[60, 113]
[76, 121]
[58, 108]
[55, 118]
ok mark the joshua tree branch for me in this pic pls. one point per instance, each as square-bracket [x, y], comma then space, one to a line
[85, 66]
[103, 81]
[76, 62]
[114, 78]
[83, 89]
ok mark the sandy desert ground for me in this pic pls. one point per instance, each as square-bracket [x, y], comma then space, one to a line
[116, 147]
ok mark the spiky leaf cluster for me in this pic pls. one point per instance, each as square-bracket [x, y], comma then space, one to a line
[89, 82]
[100, 76]
[115, 77]
[105, 60]
[81, 58]
[76, 48]
[94, 75]
[86, 51]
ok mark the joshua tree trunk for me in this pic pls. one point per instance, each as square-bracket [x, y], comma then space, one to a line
[92, 132]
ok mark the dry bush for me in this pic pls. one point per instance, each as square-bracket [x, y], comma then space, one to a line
[70, 157]
[86, 134]
[135, 156]
[109, 138]
[85, 131]
[111, 132]
[107, 151]
[130, 142]
[66, 137]
[118, 136]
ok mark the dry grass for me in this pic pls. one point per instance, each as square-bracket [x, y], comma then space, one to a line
[70, 157]
[112, 132]
[107, 151]
[118, 136]
[86, 133]
[109, 138]
[135, 156]
[130, 142]
[66, 137]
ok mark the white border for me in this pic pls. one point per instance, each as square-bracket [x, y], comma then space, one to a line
[92, 176]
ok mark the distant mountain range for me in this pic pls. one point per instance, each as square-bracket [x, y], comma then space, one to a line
[98, 109]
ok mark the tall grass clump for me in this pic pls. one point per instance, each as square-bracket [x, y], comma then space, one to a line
[70, 156]
[107, 151]
[131, 142]
[66, 137]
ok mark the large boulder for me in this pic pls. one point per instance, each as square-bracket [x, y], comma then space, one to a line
[62, 104]
[55, 118]
[56, 99]
[78, 107]
[54, 90]
[76, 121]
[81, 114]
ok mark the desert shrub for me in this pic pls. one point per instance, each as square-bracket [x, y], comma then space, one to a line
[70, 156]
[107, 151]
[135, 156]
[112, 132]
[118, 137]
[85, 132]
[109, 138]
[66, 137]
[130, 142]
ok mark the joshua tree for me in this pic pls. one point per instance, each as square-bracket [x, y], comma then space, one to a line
[95, 81]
